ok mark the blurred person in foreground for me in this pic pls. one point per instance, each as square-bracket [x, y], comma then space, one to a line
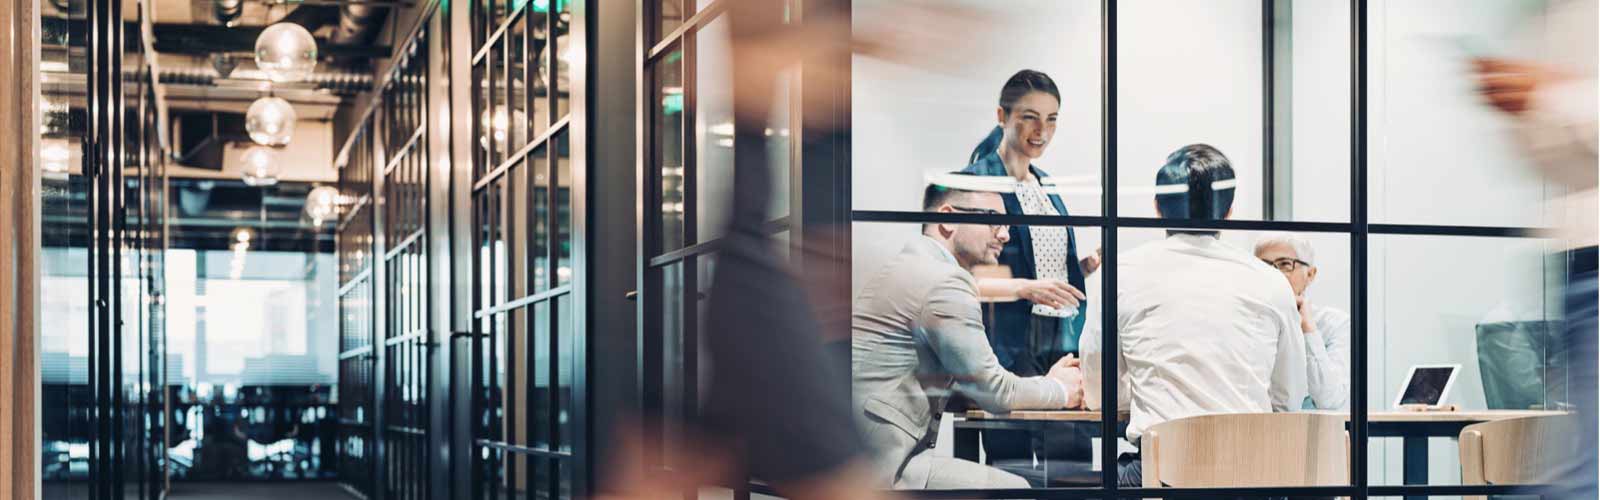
[776, 409]
[1551, 101]
[918, 335]
[1203, 327]
[1326, 329]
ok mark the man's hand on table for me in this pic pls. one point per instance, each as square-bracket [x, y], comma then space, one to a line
[1067, 373]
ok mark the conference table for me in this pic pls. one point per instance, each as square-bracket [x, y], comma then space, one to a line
[1413, 427]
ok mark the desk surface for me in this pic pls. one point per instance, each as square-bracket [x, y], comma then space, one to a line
[1376, 416]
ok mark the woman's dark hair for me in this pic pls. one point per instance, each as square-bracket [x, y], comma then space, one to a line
[1020, 84]
[1199, 168]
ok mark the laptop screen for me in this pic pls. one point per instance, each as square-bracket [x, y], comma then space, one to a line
[1426, 386]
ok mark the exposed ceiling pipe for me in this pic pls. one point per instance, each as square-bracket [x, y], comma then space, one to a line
[338, 82]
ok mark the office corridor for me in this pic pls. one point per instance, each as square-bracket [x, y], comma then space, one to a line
[314, 490]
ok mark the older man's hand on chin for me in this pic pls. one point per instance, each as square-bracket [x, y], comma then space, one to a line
[1067, 373]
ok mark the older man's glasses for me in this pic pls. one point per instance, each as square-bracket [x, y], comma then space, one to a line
[986, 211]
[1287, 264]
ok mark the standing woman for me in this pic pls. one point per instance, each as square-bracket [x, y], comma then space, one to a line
[1039, 310]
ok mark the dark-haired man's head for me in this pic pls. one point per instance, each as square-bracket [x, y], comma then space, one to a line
[971, 244]
[1197, 183]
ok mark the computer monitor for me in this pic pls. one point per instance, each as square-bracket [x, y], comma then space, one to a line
[1427, 386]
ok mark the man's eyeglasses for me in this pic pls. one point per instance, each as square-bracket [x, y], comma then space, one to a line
[1287, 264]
[987, 211]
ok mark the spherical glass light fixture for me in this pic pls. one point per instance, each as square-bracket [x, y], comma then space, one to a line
[260, 167]
[286, 52]
[322, 203]
[270, 121]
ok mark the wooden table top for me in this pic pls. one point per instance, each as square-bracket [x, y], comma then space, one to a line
[1376, 416]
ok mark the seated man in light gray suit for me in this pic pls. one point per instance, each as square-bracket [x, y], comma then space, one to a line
[918, 334]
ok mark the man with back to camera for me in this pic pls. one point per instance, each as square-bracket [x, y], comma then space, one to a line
[1203, 327]
[918, 334]
[1326, 329]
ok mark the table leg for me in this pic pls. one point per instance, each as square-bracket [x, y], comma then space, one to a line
[1415, 462]
[966, 445]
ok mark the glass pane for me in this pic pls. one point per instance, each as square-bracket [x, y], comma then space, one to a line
[1439, 154]
[568, 52]
[1027, 453]
[520, 351]
[673, 13]
[713, 130]
[1208, 330]
[539, 397]
[1310, 167]
[483, 128]
[563, 209]
[668, 147]
[921, 108]
[566, 371]
[673, 380]
[496, 119]
[516, 87]
[1158, 116]
[1499, 324]
[540, 207]
[539, 73]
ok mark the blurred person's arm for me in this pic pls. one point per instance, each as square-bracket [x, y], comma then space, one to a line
[1287, 388]
[1328, 359]
[1554, 113]
[952, 322]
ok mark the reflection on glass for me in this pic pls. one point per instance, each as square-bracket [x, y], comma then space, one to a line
[540, 239]
[667, 106]
[674, 381]
[539, 395]
[568, 51]
[482, 103]
[563, 209]
[566, 371]
[713, 130]
[538, 93]
[516, 87]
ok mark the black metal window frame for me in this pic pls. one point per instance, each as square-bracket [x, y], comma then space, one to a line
[527, 348]
[655, 45]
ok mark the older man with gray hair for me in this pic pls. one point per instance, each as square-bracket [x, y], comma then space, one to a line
[1327, 330]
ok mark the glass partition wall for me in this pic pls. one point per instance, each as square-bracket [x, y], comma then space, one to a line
[526, 361]
[387, 360]
[103, 190]
[1355, 137]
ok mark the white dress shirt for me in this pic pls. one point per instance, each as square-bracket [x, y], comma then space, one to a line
[1202, 328]
[1328, 359]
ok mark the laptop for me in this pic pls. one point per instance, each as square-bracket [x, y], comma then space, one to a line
[1427, 387]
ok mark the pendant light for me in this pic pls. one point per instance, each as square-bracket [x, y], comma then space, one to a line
[286, 52]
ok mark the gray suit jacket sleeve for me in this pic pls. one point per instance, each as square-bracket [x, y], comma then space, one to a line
[953, 323]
